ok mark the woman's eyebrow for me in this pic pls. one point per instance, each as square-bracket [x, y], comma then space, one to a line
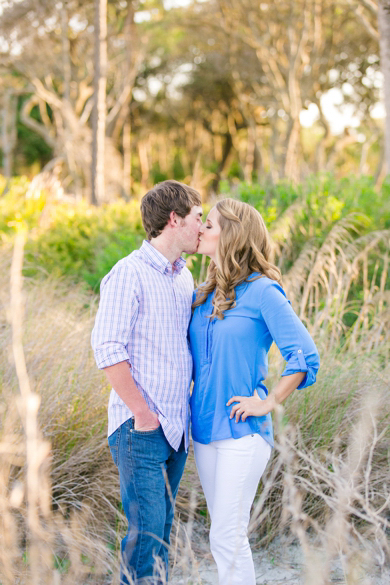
[209, 220]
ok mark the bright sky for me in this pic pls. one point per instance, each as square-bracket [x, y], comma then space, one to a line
[339, 115]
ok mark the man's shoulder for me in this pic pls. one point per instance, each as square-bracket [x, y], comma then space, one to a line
[130, 262]
[127, 267]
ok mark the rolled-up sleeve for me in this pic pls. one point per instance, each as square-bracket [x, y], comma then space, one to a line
[118, 308]
[289, 334]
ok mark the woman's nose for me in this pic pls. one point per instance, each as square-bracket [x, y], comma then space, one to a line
[201, 229]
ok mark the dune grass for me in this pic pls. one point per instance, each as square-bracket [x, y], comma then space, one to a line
[327, 483]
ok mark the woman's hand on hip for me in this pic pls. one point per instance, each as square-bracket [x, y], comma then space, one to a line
[250, 406]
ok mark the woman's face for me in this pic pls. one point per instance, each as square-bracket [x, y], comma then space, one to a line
[209, 235]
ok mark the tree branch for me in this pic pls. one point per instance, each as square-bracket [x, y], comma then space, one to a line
[33, 124]
[359, 11]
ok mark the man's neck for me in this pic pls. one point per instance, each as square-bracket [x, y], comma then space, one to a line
[166, 248]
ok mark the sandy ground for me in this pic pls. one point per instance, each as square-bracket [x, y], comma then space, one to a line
[271, 567]
[281, 564]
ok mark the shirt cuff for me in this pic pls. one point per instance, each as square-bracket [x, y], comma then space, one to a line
[110, 354]
[297, 363]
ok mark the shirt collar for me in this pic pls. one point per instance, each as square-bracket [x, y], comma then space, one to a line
[158, 261]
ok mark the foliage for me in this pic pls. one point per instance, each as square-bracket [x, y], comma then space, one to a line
[83, 242]
[215, 102]
[79, 242]
[324, 197]
[334, 260]
[317, 445]
[16, 207]
[31, 147]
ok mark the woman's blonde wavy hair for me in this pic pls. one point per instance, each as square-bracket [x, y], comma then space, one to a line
[243, 248]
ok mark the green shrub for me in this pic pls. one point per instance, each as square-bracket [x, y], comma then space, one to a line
[82, 242]
[323, 194]
[15, 207]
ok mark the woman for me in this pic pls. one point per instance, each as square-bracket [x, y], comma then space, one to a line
[238, 312]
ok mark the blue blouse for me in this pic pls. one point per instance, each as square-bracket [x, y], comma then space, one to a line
[230, 357]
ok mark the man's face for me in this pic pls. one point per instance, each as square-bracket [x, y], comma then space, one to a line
[189, 230]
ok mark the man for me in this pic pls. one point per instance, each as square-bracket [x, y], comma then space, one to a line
[140, 340]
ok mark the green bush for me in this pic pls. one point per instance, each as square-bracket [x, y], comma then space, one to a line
[82, 242]
[324, 196]
[15, 207]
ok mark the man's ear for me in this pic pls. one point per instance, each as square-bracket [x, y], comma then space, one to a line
[173, 219]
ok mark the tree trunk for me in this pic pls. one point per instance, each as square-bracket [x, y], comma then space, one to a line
[345, 140]
[99, 107]
[126, 141]
[227, 147]
[273, 167]
[66, 65]
[363, 166]
[384, 45]
[291, 168]
[8, 132]
[144, 161]
[258, 163]
[380, 171]
[250, 153]
[324, 142]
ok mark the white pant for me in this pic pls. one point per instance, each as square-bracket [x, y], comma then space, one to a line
[230, 471]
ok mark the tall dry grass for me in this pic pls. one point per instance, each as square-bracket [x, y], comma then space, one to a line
[327, 484]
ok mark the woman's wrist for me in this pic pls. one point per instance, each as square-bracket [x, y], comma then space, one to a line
[263, 406]
[269, 402]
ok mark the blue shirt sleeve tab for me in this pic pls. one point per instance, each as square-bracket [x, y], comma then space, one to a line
[302, 361]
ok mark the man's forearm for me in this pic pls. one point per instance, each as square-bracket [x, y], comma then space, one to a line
[120, 378]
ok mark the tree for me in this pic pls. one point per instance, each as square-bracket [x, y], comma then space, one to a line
[52, 51]
[384, 42]
[374, 15]
[9, 132]
[99, 105]
[211, 90]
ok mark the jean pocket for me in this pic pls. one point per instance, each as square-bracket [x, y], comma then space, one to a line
[152, 432]
[113, 443]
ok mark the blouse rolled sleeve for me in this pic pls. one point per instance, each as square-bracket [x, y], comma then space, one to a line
[116, 315]
[290, 335]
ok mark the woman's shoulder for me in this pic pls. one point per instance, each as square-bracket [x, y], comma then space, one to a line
[262, 287]
[259, 282]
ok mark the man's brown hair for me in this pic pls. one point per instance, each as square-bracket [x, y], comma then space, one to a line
[157, 204]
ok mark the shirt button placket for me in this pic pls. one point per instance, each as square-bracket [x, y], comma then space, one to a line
[182, 410]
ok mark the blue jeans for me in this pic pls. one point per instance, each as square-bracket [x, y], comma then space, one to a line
[146, 461]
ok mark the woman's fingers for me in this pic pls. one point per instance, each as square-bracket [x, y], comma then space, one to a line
[249, 406]
[240, 409]
[234, 410]
[234, 399]
[239, 412]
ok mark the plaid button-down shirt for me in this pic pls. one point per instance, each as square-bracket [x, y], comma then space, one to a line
[143, 317]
